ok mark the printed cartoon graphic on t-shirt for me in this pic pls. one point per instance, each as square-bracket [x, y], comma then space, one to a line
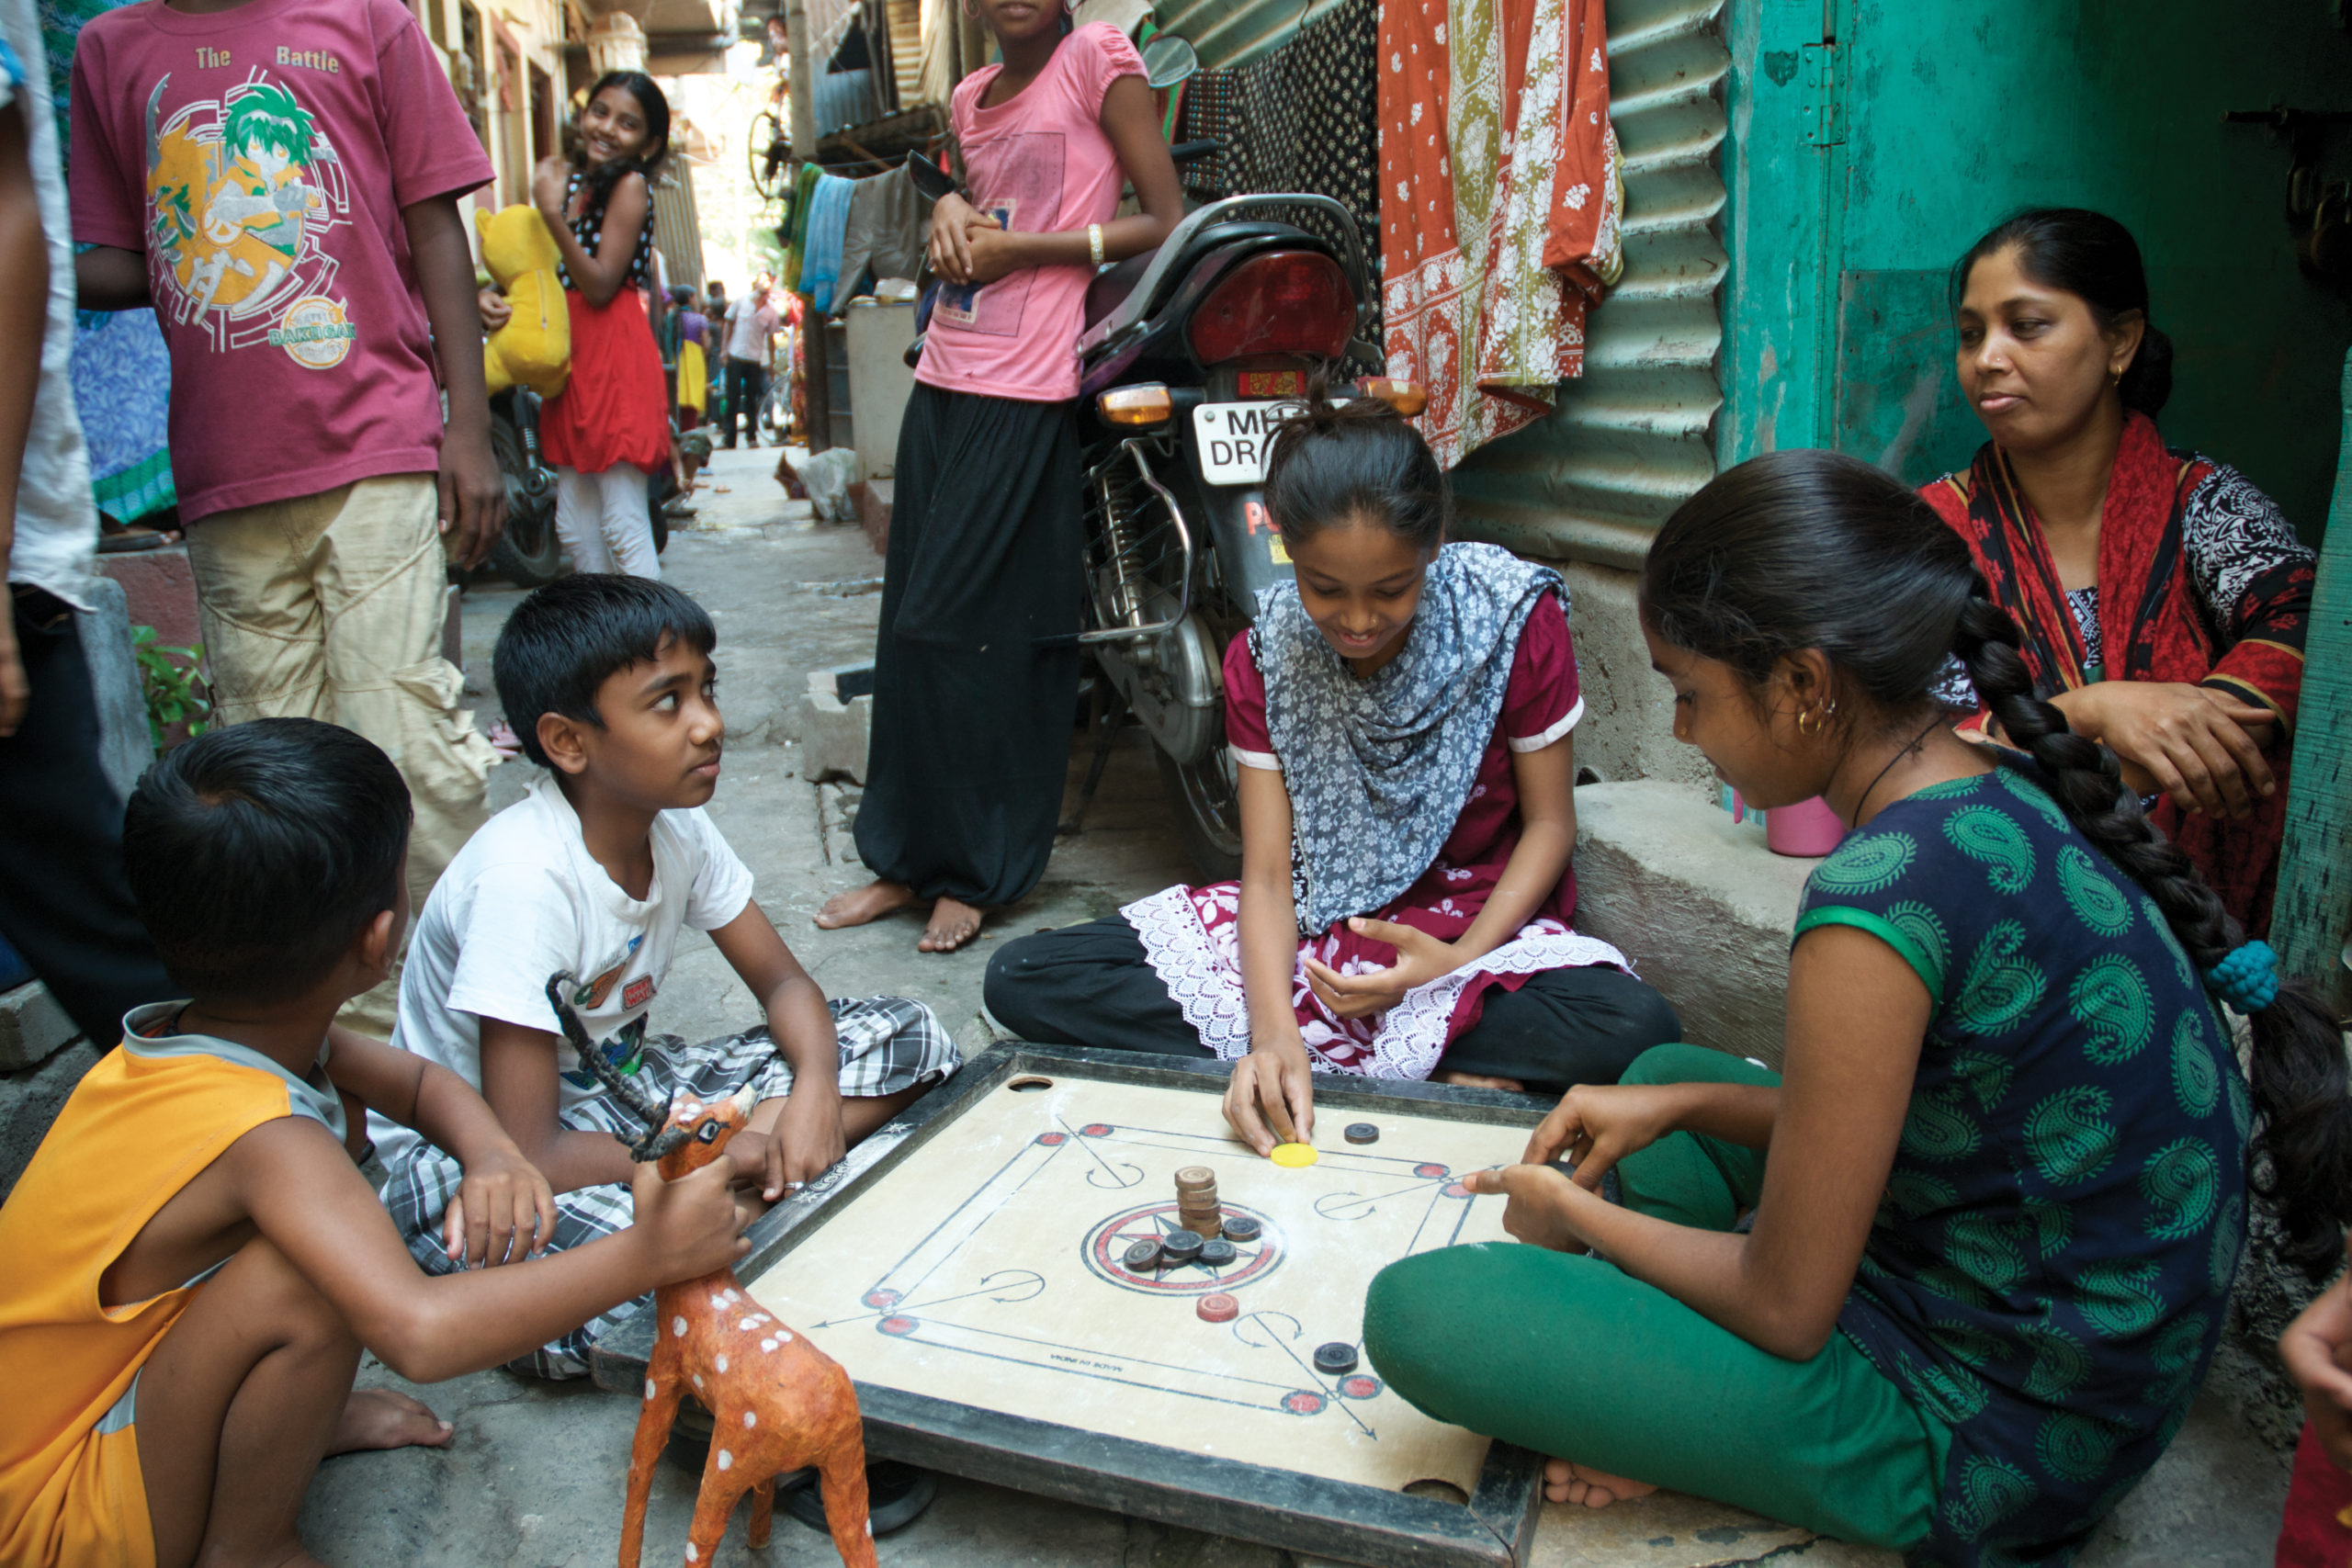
[1020, 174]
[624, 1048]
[240, 190]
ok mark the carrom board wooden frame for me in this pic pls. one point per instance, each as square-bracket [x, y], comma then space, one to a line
[1284, 1508]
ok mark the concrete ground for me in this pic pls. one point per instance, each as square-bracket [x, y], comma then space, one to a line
[534, 1476]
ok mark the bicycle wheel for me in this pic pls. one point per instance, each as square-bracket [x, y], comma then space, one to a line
[767, 147]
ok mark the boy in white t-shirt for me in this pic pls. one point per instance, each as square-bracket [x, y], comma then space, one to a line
[609, 682]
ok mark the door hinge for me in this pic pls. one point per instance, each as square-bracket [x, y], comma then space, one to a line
[1824, 125]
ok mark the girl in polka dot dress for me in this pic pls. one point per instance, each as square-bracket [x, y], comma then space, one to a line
[610, 425]
[1948, 1283]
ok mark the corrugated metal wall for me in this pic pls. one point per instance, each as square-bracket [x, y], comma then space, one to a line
[1634, 436]
[1235, 32]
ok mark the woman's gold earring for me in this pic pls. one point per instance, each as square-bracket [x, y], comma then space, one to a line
[1813, 728]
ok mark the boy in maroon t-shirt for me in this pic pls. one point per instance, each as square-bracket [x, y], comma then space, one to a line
[280, 179]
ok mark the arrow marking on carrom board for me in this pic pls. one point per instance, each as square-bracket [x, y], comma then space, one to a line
[1135, 1172]
[988, 1287]
[1313, 1372]
[998, 1185]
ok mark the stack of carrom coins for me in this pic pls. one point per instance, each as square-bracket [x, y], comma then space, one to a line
[1196, 1209]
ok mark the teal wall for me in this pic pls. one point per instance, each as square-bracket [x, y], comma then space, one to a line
[1954, 113]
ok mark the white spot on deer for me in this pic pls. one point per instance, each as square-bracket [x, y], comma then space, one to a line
[691, 1552]
[678, 1327]
[648, 1388]
[751, 1419]
[751, 1323]
[697, 1380]
[732, 1295]
[869, 1527]
[717, 1304]
[783, 1336]
[721, 1362]
[768, 1345]
[726, 1459]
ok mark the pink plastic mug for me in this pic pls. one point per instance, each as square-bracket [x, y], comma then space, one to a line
[1808, 829]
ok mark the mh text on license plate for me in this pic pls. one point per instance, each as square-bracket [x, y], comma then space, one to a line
[1234, 439]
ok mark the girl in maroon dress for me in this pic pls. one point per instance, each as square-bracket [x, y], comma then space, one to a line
[1400, 720]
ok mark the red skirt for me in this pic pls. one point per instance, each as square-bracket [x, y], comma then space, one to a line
[615, 407]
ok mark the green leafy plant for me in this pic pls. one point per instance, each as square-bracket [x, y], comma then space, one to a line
[168, 678]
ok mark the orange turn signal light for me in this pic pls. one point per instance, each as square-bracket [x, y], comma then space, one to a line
[1147, 404]
[1407, 398]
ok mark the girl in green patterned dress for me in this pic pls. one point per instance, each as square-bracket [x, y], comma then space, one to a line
[1950, 1281]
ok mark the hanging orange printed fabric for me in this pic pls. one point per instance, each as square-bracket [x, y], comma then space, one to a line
[1498, 205]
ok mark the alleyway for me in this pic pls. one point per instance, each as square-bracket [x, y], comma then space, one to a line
[534, 1477]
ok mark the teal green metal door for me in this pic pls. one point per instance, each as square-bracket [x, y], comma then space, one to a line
[1875, 139]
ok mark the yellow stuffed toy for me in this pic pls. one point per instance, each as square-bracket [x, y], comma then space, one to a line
[534, 348]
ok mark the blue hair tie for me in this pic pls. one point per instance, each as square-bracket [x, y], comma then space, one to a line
[2247, 980]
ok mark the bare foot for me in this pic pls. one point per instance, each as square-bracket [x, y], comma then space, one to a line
[385, 1419]
[1478, 1080]
[864, 904]
[1566, 1482]
[953, 924]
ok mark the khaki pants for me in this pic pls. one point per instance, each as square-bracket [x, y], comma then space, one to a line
[330, 606]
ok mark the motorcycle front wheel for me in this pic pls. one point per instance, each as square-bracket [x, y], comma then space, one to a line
[1209, 810]
[528, 553]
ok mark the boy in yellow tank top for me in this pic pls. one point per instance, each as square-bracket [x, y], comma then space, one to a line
[195, 1261]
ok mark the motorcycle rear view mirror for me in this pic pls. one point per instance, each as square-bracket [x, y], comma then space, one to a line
[930, 181]
[1168, 61]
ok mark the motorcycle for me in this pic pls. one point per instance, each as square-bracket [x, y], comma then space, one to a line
[1191, 357]
[528, 553]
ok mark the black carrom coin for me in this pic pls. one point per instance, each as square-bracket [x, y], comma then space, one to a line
[1218, 1254]
[1142, 1256]
[1362, 1133]
[1181, 1247]
[1335, 1359]
[1240, 1227]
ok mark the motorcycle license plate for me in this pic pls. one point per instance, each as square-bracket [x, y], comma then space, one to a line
[1234, 438]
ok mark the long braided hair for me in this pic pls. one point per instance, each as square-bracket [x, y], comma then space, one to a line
[1807, 549]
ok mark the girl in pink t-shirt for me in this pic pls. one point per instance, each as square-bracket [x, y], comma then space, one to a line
[976, 663]
[1400, 719]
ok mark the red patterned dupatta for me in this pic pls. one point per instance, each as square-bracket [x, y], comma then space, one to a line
[2152, 623]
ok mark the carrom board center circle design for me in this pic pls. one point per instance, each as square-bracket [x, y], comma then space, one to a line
[1107, 1242]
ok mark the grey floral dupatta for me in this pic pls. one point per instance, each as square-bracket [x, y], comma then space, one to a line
[1379, 769]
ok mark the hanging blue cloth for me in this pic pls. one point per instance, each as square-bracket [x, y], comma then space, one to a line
[821, 265]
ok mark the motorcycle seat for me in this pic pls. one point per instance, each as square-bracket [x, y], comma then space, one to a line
[1114, 284]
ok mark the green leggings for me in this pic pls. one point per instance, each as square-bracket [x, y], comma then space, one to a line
[1567, 1356]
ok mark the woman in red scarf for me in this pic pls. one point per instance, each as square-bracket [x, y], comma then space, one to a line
[2162, 596]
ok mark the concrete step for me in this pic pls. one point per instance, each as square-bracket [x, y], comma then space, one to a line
[1697, 902]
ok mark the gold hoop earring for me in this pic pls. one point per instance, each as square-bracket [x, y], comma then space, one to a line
[1810, 730]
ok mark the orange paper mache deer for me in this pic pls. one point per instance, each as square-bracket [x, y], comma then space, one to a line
[777, 1402]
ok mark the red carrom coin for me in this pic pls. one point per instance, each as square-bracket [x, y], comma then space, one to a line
[1218, 1308]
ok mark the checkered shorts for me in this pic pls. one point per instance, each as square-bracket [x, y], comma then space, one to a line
[888, 1045]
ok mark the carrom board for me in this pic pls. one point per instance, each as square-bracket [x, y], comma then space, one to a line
[965, 1265]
